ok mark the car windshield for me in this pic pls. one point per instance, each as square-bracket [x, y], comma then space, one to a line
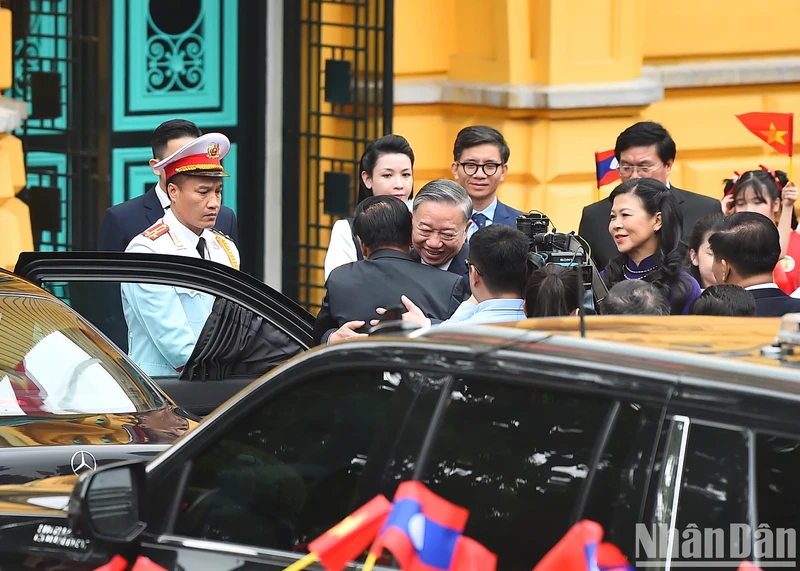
[52, 363]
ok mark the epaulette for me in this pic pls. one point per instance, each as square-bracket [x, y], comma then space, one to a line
[155, 231]
[223, 234]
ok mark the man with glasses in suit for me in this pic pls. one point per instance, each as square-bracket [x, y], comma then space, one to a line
[480, 164]
[643, 150]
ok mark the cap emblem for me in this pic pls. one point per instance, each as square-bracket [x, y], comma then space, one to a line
[213, 151]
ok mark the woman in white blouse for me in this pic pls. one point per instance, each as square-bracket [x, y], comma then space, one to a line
[387, 167]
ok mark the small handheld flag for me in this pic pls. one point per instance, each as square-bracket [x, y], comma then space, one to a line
[606, 166]
[422, 528]
[348, 539]
[117, 563]
[144, 564]
[424, 532]
[576, 551]
[775, 129]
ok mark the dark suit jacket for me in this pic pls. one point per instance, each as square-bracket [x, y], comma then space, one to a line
[124, 221]
[457, 266]
[595, 218]
[504, 214]
[773, 302]
[355, 290]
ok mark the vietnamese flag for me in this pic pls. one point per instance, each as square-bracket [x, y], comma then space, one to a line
[350, 537]
[775, 129]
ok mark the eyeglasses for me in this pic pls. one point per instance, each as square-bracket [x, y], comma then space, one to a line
[629, 169]
[471, 169]
[449, 236]
[471, 265]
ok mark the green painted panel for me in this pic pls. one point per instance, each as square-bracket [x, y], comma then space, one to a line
[190, 73]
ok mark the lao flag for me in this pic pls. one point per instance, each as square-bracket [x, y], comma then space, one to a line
[425, 533]
[581, 550]
[606, 165]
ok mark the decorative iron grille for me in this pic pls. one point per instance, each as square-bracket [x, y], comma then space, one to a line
[338, 57]
[57, 72]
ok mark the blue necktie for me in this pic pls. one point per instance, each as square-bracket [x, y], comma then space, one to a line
[479, 219]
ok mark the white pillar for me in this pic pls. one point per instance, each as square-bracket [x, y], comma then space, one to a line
[273, 133]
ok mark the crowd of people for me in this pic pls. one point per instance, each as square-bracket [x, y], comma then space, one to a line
[452, 252]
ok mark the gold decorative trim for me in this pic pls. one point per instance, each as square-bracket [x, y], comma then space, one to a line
[199, 168]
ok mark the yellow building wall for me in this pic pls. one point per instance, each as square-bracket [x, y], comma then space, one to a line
[566, 43]
[15, 217]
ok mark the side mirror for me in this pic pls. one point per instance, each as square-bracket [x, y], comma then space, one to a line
[106, 505]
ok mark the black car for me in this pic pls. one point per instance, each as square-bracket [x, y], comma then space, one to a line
[541, 429]
[69, 401]
[252, 327]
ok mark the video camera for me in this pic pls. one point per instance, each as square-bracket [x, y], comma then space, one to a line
[552, 247]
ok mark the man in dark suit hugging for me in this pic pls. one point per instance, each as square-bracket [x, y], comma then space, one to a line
[382, 225]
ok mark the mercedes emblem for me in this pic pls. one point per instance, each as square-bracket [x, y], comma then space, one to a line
[83, 461]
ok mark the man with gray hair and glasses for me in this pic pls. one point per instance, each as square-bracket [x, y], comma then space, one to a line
[441, 218]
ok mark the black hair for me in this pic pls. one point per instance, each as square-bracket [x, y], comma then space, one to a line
[387, 145]
[765, 187]
[382, 221]
[646, 134]
[748, 241]
[670, 252]
[500, 254]
[726, 299]
[552, 291]
[169, 131]
[635, 297]
[703, 228]
[475, 135]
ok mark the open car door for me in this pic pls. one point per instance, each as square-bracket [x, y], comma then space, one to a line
[251, 329]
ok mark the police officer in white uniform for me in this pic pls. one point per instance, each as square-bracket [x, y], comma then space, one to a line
[164, 322]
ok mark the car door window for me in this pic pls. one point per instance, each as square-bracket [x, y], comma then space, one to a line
[518, 458]
[777, 470]
[703, 483]
[293, 467]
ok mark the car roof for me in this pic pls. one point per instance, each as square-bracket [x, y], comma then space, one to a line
[697, 349]
[738, 338]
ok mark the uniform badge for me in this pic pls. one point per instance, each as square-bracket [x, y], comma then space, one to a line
[176, 241]
[155, 231]
[788, 264]
[213, 151]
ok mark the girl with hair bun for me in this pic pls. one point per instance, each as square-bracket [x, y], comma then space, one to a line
[646, 225]
[770, 193]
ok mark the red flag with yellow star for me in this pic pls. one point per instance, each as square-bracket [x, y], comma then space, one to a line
[350, 537]
[775, 129]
